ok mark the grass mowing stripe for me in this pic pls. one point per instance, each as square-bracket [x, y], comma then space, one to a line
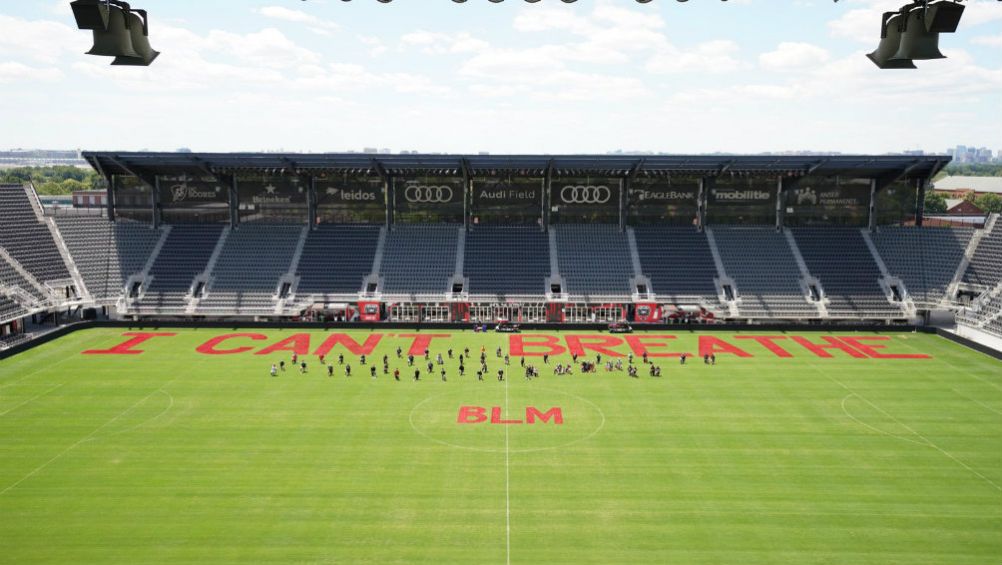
[751, 461]
[926, 440]
[30, 400]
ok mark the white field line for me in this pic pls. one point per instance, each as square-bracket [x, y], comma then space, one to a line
[927, 441]
[45, 366]
[507, 475]
[30, 400]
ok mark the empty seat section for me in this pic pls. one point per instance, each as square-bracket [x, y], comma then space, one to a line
[184, 255]
[246, 274]
[507, 260]
[336, 259]
[841, 260]
[27, 239]
[594, 260]
[765, 271]
[986, 265]
[11, 278]
[678, 262]
[419, 259]
[107, 253]
[10, 309]
[926, 259]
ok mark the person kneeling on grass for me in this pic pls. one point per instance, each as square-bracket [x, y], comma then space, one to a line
[274, 370]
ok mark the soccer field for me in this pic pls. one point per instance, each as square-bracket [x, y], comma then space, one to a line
[189, 452]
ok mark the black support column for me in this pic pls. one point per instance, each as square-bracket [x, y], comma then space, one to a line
[234, 203]
[112, 189]
[311, 201]
[923, 185]
[158, 212]
[624, 189]
[872, 223]
[705, 185]
[391, 200]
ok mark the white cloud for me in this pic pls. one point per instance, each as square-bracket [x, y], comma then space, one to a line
[793, 56]
[989, 40]
[313, 23]
[710, 57]
[40, 40]
[17, 72]
[438, 43]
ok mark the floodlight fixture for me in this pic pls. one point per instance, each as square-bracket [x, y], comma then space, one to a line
[120, 31]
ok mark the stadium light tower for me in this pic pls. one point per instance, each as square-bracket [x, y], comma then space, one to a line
[120, 31]
[912, 33]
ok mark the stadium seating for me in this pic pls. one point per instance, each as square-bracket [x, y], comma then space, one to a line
[507, 261]
[107, 253]
[10, 310]
[765, 271]
[926, 259]
[986, 265]
[247, 272]
[419, 259]
[841, 260]
[678, 262]
[336, 259]
[10, 277]
[184, 255]
[27, 239]
[594, 260]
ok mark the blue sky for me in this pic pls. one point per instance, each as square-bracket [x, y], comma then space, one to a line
[432, 75]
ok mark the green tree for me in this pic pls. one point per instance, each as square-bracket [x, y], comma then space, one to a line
[935, 203]
[989, 202]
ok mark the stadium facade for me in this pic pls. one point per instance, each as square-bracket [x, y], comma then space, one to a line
[563, 238]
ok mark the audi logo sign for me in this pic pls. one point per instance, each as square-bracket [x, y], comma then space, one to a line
[421, 194]
[585, 194]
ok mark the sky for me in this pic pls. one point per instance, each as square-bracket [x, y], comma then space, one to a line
[743, 76]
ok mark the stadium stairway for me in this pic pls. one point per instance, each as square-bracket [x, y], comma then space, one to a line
[336, 260]
[840, 258]
[593, 261]
[183, 256]
[679, 263]
[985, 268]
[106, 254]
[765, 271]
[925, 258]
[244, 273]
[419, 260]
[506, 262]
[27, 239]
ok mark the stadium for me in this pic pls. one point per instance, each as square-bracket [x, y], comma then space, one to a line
[365, 357]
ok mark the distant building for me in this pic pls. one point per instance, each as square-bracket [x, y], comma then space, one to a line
[961, 186]
[961, 207]
[90, 199]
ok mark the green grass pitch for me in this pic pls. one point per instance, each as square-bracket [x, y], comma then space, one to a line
[173, 456]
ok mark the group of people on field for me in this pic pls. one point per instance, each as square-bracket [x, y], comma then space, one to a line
[439, 363]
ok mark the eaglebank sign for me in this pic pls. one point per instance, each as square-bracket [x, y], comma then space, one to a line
[656, 346]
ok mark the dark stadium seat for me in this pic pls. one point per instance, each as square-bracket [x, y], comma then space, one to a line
[678, 262]
[419, 259]
[765, 271]
[507, 261]
[841, 260]
[336, 259]
[926, 259]
[26, 238]
[594, 260]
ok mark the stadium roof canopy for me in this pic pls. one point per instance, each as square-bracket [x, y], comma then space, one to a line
[874, 166]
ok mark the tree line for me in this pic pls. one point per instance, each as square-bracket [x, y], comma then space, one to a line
[59, 179]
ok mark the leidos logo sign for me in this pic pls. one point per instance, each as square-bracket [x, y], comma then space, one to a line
[478, 415]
